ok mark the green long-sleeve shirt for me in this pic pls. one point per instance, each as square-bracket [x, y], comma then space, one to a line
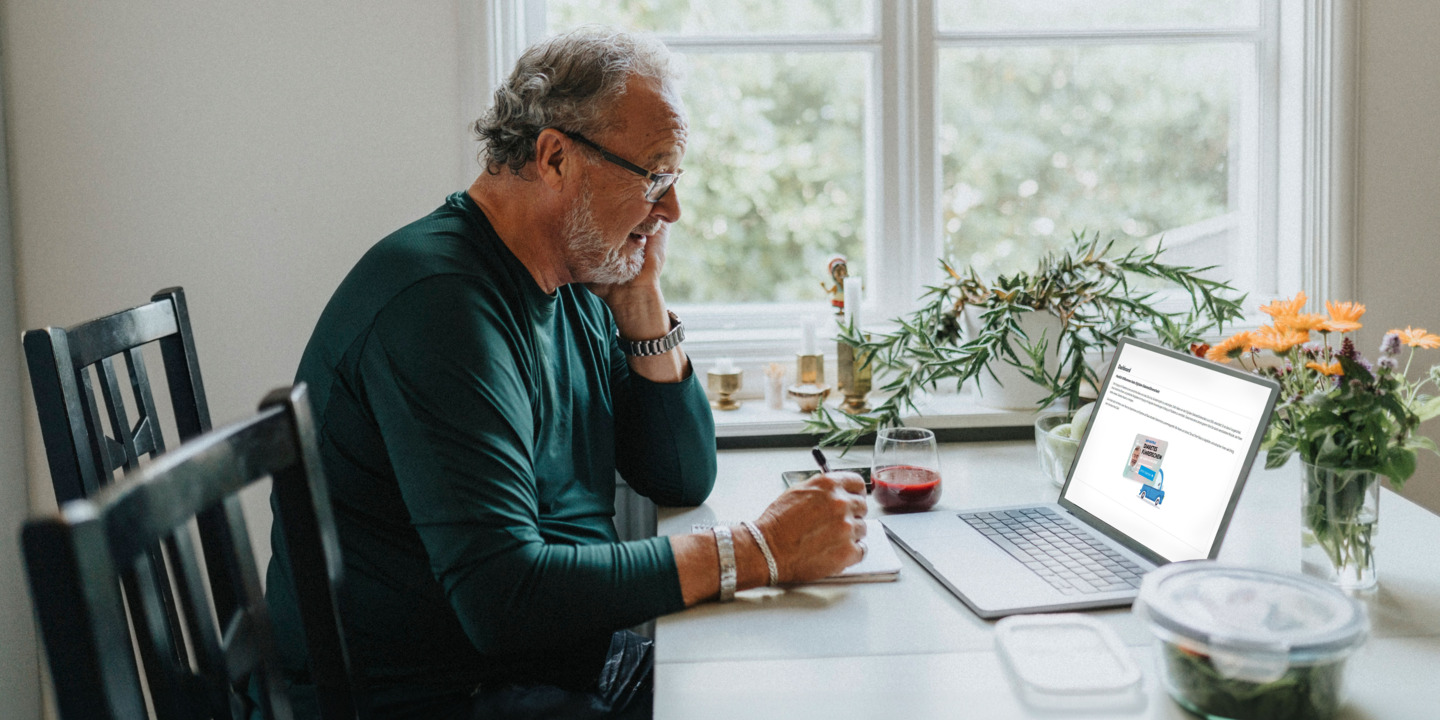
[470, 427]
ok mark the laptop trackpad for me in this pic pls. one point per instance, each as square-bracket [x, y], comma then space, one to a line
[968, 563]
[985, 574]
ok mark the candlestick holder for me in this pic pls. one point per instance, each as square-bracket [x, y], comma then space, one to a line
[855, 377]
[724, 385]
[809, 389]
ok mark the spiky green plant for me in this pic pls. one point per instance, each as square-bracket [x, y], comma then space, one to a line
[1087, 287]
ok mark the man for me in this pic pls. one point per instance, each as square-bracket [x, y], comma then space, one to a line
[477, 380]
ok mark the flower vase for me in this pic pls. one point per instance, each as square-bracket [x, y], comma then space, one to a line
[1340, 510]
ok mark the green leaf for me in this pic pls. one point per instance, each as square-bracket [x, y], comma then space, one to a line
[1429, 408]
[1420, 442]
[1355, 371]
[1399, 465]
[1279, 453]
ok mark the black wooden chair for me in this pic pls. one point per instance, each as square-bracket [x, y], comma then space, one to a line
[75, 560]
[88, 438]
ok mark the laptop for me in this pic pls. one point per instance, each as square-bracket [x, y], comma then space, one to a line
[1155, 480]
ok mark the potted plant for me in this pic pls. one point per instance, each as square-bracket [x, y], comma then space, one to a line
[1351, 421]
[1084, 300]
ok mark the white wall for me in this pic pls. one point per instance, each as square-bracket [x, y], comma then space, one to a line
[1398, 213]
[19, 657]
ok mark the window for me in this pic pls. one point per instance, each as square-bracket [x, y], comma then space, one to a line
[897, 132]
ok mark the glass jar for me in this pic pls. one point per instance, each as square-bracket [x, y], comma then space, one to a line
[1056, 443]
[1244, 644]
[1339, 514]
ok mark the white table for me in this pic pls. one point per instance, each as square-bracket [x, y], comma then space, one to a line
[910, 649]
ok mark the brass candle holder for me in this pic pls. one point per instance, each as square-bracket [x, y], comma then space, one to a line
[724, 384]
[809, 369]
[809, 389]
[854, 381]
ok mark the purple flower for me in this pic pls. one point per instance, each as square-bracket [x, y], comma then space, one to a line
[1311, 349]
[1391, 344]
[1347, 349]
[1388, 362]
[1362, 362]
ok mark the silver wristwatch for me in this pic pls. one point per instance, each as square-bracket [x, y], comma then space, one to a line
[658, 346]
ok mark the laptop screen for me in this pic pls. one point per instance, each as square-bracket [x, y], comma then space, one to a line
[1171, 440]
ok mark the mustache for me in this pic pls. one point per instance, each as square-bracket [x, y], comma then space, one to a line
[648, 229]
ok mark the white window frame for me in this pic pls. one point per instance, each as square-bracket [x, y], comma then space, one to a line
[1306, 146]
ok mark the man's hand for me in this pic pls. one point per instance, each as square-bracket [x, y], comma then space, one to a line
[814, 527]
[640, 313]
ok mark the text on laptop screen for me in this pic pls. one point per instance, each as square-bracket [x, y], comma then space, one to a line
[1166, 446]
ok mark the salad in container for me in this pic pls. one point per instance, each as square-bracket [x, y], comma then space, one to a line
[1243, 644]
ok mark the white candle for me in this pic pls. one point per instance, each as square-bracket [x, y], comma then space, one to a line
[807, 334]
[854, 298]
[724, 365]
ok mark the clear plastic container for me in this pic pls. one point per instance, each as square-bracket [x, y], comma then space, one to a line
[1068, 662]
[1243, 644]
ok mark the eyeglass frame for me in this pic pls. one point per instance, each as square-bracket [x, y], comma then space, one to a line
[669, 179]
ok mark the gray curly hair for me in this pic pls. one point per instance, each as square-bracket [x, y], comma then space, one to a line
[568, 82]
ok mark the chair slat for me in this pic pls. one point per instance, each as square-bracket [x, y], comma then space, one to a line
[97, 339]
[119, 428]
[145, 436]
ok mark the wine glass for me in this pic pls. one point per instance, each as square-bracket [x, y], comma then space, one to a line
[905, 469]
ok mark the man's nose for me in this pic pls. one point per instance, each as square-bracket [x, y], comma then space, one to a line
[668, 207]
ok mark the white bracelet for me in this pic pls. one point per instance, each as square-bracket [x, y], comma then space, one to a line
[764, 548]
[725, 544]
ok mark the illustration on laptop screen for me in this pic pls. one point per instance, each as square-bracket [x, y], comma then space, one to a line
[1183, 433]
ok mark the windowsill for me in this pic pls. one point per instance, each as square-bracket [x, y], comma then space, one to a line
[954, 416]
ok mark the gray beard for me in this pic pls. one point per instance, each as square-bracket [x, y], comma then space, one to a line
[591, 259]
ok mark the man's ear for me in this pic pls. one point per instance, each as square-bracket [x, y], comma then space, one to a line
[553, 160]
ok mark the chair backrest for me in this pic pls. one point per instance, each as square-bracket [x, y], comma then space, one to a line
[84, 455]
[75, 561]
[84, 452]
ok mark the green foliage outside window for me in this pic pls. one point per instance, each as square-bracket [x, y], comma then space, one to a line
[1033, 142]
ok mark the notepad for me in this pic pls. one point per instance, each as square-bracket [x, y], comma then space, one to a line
[881, 563]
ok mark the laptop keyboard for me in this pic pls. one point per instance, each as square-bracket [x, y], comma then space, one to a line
[1066, 557]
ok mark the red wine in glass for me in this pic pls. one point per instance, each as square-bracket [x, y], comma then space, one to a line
[906, 487]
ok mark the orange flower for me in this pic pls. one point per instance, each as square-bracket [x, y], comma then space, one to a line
[1281, 339]
[1331, 369]
[1344, 317]
[1301, 323]
[1281, 308]
[1417, 337]
[1231, 347]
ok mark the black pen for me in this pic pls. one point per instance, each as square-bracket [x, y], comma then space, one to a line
[820, 460]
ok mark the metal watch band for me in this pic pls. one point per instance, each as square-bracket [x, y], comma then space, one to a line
[657, 346]
[765, 549]
[725, 543]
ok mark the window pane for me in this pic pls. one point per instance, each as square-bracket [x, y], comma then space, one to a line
[774, 176]
[1129, 140]
[705, 17]
[982, 15]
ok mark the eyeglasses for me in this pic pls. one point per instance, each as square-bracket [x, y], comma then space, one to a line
[660, 183]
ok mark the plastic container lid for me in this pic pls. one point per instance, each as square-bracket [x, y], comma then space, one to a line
[1253, 624]
[1066, 655]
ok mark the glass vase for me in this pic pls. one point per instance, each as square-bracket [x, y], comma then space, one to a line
[1339, 515]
